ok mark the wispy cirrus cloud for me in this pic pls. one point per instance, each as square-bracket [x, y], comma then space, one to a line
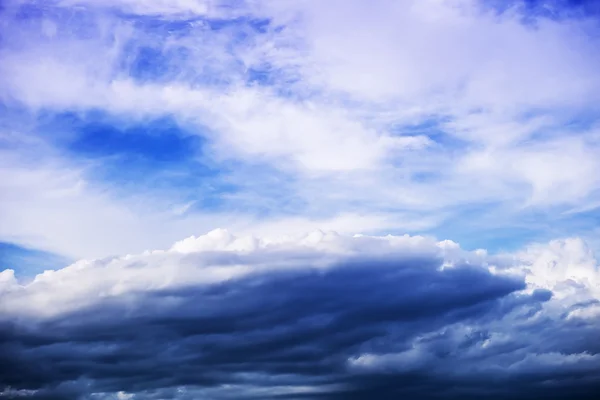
[334, 96]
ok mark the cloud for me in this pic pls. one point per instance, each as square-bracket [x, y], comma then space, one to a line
[52, 203]
[427, 109]
[464, 117]
[321, 315]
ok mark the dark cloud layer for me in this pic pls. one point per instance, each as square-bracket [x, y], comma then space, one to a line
[365, 326]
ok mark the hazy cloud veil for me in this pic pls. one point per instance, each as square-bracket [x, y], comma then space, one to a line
[375, 126]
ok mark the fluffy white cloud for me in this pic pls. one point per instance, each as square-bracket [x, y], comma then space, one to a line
[343, 307]
[563, 266]
[220, 256]
[88, 281]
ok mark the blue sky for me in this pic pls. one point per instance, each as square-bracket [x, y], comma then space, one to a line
[247, 113]
[479, 123]
[456, 141]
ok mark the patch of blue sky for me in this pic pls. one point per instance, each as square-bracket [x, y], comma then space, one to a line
[442, 147]
[564, 224]
[439, 129]
[156, 154]
[553, 9]
[260, 76]
[258, 25]
[69, 22]
[434, 128]
[484, 227]
[579, 221]
[183, 26]
[17, 128]
[487, 226]
[156, 55]
[583, 122]
[159, 141]
[28, 262]
[152, 64]
[495, 239]
[161, 156]
[262, 189]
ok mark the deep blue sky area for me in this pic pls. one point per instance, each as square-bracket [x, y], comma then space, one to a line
[26, 262]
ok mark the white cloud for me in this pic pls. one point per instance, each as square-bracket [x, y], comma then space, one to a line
[456, 53]
[51, 205]
[89, 281]
[490, 327]
[561, 262]
[548, 266]
[337, 114]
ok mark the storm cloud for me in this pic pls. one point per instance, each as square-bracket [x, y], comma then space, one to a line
[320, 316]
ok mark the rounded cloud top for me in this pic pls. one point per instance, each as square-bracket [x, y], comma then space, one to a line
[337, 315]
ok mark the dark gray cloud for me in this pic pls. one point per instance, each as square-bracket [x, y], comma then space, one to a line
[299, 323]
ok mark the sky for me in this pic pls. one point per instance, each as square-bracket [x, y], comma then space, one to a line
[328, 199]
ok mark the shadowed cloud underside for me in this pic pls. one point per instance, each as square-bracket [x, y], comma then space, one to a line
[316, 316]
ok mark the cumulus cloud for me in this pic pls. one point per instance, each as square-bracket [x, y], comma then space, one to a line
[321, 315]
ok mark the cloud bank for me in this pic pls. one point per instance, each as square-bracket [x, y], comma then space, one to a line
[315, 316]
